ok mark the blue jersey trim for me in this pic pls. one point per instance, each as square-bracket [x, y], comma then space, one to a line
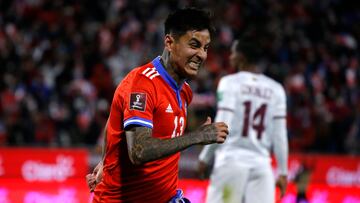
[169, 80]
[138, 121]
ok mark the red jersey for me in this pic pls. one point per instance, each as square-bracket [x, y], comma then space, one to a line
[147, 97]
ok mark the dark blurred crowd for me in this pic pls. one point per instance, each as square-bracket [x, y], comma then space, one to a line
[60, 61]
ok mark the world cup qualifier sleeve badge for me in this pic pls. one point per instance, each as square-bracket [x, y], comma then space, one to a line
[137, 101]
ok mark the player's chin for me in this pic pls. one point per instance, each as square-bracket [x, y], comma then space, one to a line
[221, 140]
[192, 72]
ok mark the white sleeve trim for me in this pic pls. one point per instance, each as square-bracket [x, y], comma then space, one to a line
[138, 121]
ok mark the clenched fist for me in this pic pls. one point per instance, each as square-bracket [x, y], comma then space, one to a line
[210, 133]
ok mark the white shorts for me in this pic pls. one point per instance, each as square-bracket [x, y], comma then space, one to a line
[236, 183]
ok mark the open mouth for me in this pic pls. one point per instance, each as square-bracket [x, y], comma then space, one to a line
[194, 65]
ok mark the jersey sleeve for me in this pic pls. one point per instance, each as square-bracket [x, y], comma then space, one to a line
[226, 98]
[139, 103]
[280, 141]
[225, 107]
[280, 103]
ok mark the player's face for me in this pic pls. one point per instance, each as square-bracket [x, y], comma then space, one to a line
[188, 53]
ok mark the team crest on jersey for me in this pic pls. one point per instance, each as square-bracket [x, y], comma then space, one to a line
[138, 101]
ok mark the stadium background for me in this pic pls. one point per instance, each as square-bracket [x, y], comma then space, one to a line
[60, 61]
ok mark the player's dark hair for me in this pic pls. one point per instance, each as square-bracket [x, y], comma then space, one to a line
[251, 47]
[183, 20]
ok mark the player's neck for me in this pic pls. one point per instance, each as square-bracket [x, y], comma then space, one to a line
[164, 59]
[250, 68]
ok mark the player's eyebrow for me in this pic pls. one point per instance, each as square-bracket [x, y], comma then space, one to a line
[193, 39]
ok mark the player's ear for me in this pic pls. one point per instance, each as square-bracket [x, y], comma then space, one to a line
[169, 41]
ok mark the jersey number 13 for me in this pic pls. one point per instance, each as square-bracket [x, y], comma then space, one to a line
[179, 122]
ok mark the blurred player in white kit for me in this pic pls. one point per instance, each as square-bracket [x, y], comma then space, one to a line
[254, 107]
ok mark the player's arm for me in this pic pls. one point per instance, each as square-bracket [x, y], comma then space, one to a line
[280, 142]
[92, 179]
[225, 113]
[143, 147]
[103, 151]
[103, 148]
[281, 152]
[207, 153]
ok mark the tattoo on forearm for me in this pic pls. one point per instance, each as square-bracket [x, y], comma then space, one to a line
[207, 134]
[147, 148]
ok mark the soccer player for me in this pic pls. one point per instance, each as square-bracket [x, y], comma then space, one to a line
[145, 129]
[254, 107]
